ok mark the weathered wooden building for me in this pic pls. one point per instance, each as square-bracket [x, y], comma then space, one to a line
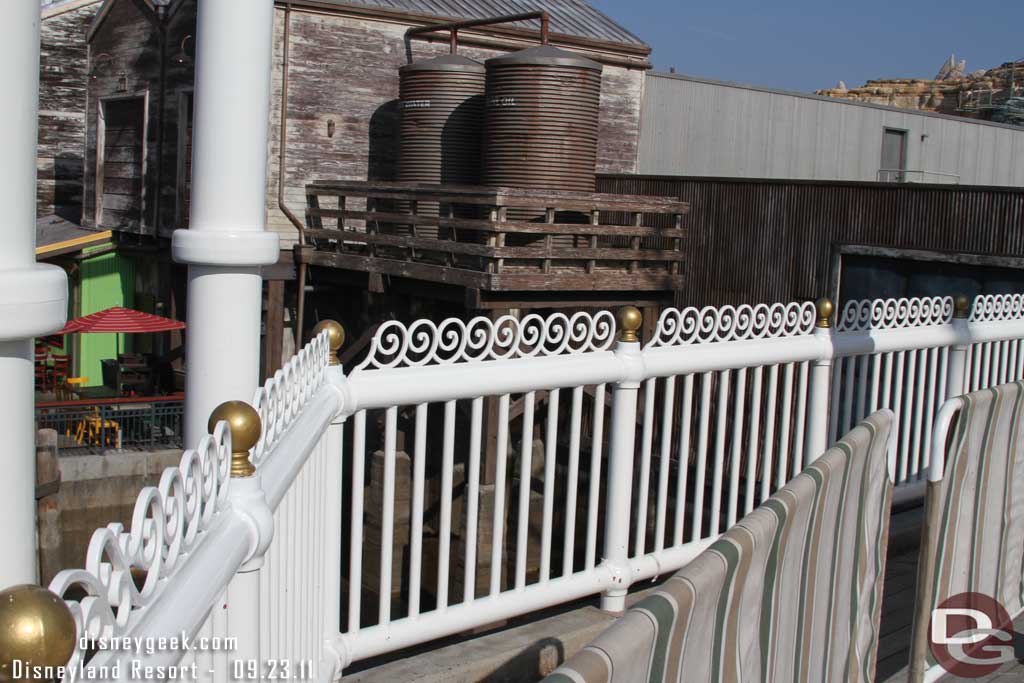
[335, 87]
[63, 82]
[341, 109]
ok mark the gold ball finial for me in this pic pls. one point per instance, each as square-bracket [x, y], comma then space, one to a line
[630, 320]
[335, 337]
[825, 310]
[961, 307]
[36, 628]
[246, 428]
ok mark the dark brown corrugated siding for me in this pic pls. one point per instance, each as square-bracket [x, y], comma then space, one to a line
[759, 241]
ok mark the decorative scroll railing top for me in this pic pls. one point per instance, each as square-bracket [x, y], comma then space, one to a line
[281, 398]
[997, 307]
[424, 343]
[168, 524]
[891, 314]
[731, 323]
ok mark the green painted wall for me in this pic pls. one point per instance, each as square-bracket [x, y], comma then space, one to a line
[106, 280]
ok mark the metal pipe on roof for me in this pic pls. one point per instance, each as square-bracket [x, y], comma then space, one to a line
[453, 28]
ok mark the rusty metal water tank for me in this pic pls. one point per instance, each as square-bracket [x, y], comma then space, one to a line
[442, 107]
[541, 120]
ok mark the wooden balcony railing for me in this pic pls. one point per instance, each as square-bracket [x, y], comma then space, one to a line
[496, 239]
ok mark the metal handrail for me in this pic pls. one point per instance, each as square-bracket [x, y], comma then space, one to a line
[886, 174]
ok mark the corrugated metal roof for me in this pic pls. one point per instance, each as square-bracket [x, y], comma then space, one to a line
[568, 17]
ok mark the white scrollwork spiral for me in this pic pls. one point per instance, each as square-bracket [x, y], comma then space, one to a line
[730, 323]
[281, 398]
[423, 342]
[997, 307]
[889, 314]
[168, 524]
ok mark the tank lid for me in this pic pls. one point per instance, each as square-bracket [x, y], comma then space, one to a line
[545, 55]
[445, 63]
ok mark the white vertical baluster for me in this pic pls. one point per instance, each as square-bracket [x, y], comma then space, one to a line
[906, 402]
[525, 470]
[862, 391]
[849, 412]
[445, 530]
[387, 523]
[1013, 371]
[355, 572]
[753, 440]
[835, 408]
[643, 485]
[472, 499]
[769, 433]
[700, 477]
[661, 509]
[720, 436]
[1020, 360]
[986, 366]
[685, 422]
[550, 453]
[782, 469]
[886, 401]
[976, 367]
[802, 396]
[572, 482]
[932, 358]
[876, 383]
[735, 455]
[498, 521]
[919, 388]
[594, 497]
[416, 540]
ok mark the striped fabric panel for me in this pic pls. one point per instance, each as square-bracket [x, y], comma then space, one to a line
[791, 593]
[973, 536]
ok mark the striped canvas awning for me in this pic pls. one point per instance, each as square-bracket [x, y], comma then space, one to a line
[119, 319]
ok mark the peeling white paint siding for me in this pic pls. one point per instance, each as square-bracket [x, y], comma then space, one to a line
[706, 128]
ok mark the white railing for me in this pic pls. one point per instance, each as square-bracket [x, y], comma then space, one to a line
[646, 454]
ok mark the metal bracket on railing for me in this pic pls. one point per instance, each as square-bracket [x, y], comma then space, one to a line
[250, 503]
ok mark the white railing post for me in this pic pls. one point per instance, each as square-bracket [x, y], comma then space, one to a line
[620, 461]
[242, 607]
[226, 244]
[956, 373]
[33, 298]
[331, 507]
[820, 387]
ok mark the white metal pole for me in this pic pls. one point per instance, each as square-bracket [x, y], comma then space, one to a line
[226, 243]
[956, 374]
[621, 451]
[819, 388]
[332, 509]
[33, 298]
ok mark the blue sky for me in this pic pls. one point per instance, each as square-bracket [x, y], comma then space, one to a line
[807, 45]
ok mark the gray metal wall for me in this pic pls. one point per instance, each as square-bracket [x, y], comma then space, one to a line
[697, 127]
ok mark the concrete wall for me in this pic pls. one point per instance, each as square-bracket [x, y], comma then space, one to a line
[95, 490]
[705, 128]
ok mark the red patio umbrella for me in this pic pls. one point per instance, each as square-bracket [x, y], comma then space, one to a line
[124, 320]
[119, 319]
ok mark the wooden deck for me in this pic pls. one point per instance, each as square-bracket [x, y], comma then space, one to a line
[497, 240]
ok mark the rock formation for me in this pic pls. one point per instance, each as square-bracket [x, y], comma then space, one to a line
[952, 91]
